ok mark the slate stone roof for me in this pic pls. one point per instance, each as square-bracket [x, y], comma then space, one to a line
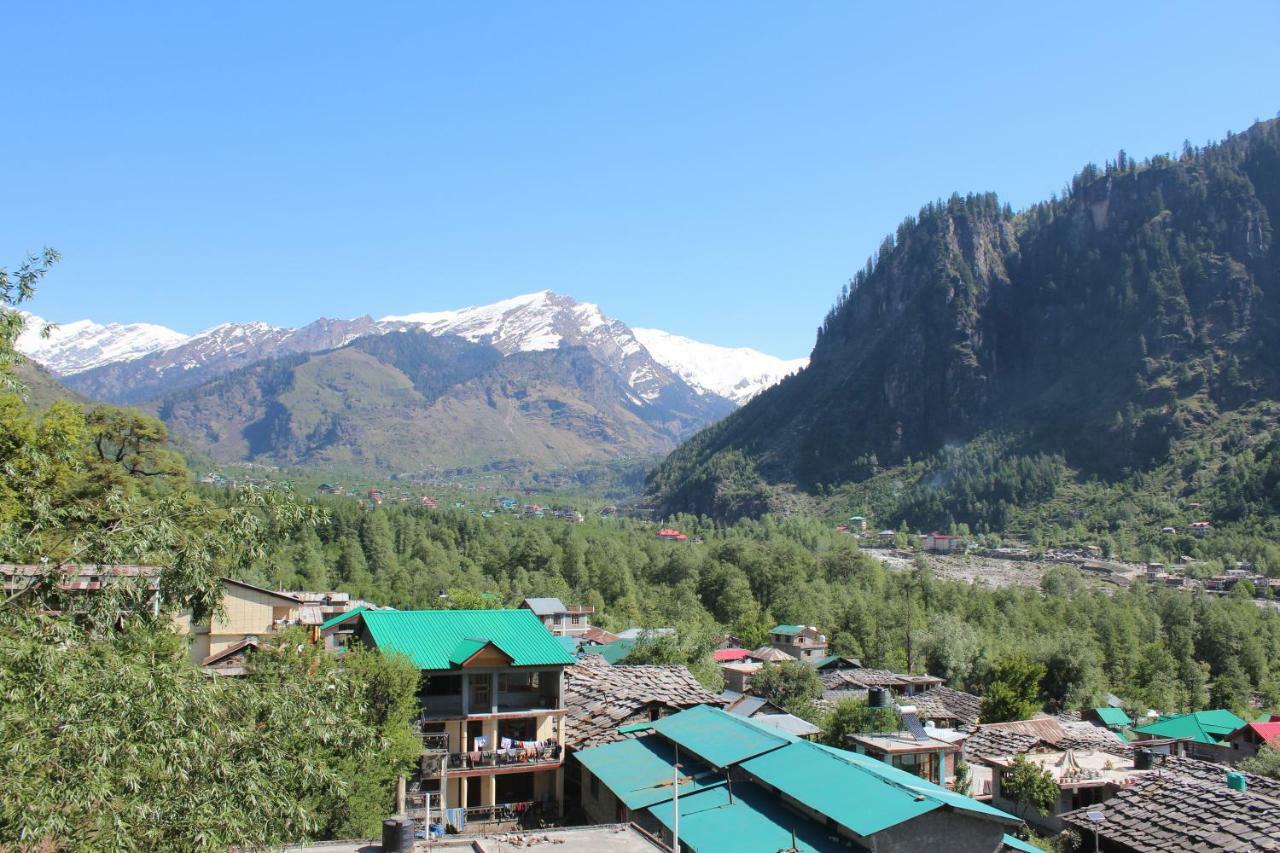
[600, 697]
[769, 654]
[991, 742]
[998, 740]
[1207, 771]
[944, 703]
[1078, 734]
[865, 677]
[1173, 812]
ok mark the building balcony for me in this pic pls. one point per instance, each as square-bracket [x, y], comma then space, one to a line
[484, 762]
[525, 703]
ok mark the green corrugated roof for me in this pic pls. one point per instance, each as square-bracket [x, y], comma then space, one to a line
[1200, 726]
[329, 623]
[467, 648]
[717, 737]
[857, 791]
[617, 650]
[569, 644]
[1018, 844]
[786, 629]
[1113, 716]
[749, 819]
[431, 637]
[640, 771]
[821, 662]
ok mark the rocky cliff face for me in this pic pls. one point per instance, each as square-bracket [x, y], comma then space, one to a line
[1102, 326]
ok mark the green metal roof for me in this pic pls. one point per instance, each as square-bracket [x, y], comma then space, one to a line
[749, 819]
[640, 771]
[1012, 843]
[432, 638]
[786, 629]
[569, 644]
[1113, 716]
[859, 792]
[467, 648]
[617, 650]
[342, 617]
[719, 738]
[1200, 726]
[823, 661]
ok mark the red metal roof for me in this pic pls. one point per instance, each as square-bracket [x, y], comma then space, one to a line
[1269, 732]
[723, 655]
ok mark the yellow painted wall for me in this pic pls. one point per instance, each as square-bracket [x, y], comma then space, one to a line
[248, 611]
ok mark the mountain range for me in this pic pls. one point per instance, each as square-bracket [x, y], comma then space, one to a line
[1129, 328]
[536, 379]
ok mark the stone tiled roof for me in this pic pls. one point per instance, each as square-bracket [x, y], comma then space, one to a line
[769, 654]
[1078, 734]
[992, 742]
[600, 697]
[1207, 771]
[864, 677]
[944, 703]
[998, 740]
[1174, 812]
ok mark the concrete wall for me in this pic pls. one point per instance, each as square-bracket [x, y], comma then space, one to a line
[600, 806]
[941, 830]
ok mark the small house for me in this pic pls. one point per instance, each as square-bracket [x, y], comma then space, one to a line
[1245, 741]
[941, 543]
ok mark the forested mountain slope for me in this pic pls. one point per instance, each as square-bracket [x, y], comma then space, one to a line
[1092, 335]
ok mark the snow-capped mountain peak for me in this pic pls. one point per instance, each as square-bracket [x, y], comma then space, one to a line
[84, 344]
[735, 373]
[527, 323]
[138, 361]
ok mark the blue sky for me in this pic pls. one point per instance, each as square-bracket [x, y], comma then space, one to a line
[714, 169]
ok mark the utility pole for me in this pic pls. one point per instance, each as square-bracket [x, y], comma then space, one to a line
[675, 804]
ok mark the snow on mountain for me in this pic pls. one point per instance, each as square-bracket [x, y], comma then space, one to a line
[140, 361]
[543, 321]
[84, 344]
[738, 374]
[528, 323]
[211, 353]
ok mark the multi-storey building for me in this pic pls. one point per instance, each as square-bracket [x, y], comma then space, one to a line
[492, 711]
[559, 619]
[248, 615]
[802, 642]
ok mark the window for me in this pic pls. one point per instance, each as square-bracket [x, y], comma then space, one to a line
[480, 697]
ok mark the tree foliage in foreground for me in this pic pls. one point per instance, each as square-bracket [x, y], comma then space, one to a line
[110, 739]
[120, 743]
[1029, 784]
[1265, 763]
